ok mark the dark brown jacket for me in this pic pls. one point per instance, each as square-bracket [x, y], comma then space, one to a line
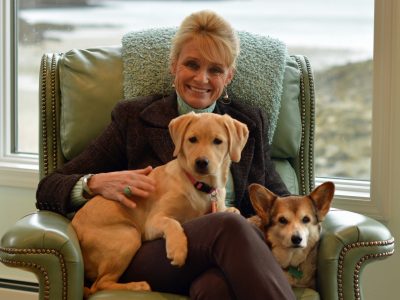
[138, 136]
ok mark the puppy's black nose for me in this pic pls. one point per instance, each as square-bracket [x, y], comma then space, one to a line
[296, 239]
[201, 164]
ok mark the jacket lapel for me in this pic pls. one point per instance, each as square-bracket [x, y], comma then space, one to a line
[157, 117]
[241, 169]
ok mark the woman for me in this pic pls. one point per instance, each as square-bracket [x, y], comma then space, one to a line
[227, 257]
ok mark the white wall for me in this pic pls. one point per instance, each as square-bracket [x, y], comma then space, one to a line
[15, 203]
[381, 279]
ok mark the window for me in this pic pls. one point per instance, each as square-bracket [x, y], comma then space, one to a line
[337, 37]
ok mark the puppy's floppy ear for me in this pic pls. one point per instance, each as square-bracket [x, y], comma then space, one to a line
[238, 135]
[177, 129]
[322, 197]
[262, 200]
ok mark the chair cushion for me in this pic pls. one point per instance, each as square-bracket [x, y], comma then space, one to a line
[301, 294]
[306, 294]
[91, 84]
[127, 295]
[287, 137]
[287, 174]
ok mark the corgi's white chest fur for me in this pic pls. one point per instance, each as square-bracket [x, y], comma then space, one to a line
[290, 257]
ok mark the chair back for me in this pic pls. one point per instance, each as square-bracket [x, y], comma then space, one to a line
[79, 88]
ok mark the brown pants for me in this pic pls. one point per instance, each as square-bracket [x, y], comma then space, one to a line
[227, 259]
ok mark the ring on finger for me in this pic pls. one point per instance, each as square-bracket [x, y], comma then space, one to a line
[128, 191]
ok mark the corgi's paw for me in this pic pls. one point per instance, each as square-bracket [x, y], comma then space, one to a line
[233, 210]
[177, 251]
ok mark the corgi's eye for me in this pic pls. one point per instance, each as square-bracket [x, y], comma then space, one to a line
[283, 220]
[306, 220]
[193, 139]
[217, 141]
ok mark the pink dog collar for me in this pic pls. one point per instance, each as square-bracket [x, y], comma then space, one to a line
[205, 188]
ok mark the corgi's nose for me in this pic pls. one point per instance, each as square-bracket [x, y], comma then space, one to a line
[296, 239]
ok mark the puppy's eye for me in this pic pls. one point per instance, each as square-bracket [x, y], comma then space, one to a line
[283, 220]
[193, 139]
[217, 141]
[306, 220]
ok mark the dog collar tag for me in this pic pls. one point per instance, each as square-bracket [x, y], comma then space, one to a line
[295, 272]
[205, 188]
[213, 198]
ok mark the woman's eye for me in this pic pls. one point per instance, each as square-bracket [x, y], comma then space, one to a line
[216, 70]
[192, 65]
[193, 139]
[217, 141]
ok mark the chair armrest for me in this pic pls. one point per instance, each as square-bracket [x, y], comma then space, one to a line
[46, 244]
[349, 242]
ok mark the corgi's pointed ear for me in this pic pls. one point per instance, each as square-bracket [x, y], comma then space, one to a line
[322, 197]
[177, 129]
[262, 200]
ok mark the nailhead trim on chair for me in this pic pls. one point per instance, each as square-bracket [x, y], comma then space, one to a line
[53, 110]
[42, 269]
[312, 124]
[357, 269]
[303, 130]
[303, 116]
[43, 67]
[53, 67]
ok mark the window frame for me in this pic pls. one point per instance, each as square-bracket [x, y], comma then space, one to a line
[374, 198]
[16, 170]
[369, 197]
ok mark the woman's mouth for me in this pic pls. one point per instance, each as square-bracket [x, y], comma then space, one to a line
[198, 90]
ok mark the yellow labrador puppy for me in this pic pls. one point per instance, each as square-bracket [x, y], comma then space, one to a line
[189, 186]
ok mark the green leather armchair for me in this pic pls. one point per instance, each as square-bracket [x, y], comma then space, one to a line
[77, 92]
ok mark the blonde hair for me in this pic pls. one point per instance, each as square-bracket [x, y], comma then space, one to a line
[217, 39]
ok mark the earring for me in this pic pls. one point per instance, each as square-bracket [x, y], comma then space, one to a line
[226, 99]
[173, 85]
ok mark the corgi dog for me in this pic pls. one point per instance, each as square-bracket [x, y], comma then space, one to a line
[292, 228]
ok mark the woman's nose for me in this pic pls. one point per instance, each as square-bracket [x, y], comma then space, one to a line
[202, 76]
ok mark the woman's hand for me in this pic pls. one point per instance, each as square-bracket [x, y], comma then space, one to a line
[112, 185]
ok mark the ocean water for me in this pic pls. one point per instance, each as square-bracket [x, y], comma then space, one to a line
[342, 25]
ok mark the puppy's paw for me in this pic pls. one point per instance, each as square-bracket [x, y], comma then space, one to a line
[177, 252]
[86, 293]
[139, 286]
[145, 286]
[233, 210]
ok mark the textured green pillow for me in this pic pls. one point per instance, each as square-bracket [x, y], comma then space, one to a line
[258, 79]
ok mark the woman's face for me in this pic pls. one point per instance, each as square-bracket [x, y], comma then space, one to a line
[198, 81]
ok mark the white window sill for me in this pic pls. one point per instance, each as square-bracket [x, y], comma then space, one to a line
[21, 174]
[356, 196]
